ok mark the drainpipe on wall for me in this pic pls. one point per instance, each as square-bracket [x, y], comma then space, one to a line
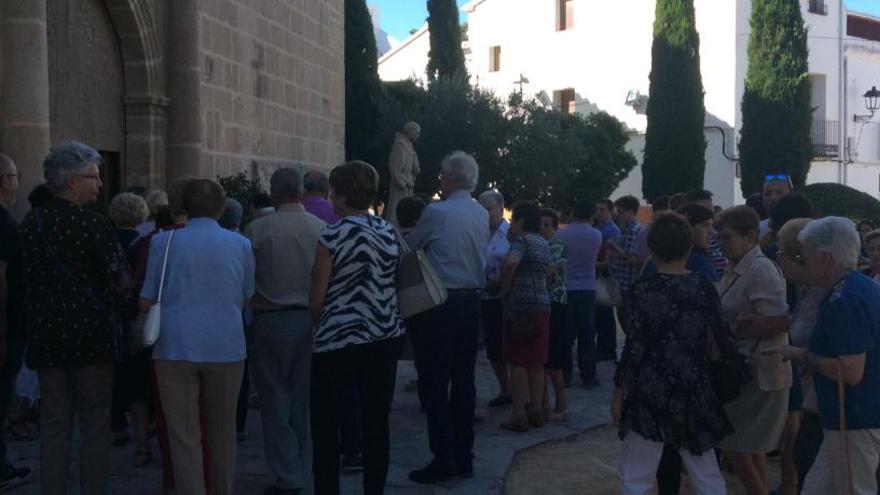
[184, 84]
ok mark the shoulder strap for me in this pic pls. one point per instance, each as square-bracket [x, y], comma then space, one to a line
[404, 247]
[727, 289]
[164, 265]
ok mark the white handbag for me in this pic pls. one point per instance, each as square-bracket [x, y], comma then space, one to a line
[147, 326]
[419, 288]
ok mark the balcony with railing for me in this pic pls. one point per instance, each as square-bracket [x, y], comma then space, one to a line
[818, 7]
[826, 138]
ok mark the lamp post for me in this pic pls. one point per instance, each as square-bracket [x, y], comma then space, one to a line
[872, 103]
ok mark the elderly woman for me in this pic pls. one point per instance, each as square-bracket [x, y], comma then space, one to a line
[209, 277]
[753, 285]
[357, 326]
[559, 347]
[663, 395]
[131, 384]
[843, 354]
[155, 201]
[77, 276]
[526, 334]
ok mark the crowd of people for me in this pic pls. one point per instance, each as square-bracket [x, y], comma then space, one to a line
[746, 332]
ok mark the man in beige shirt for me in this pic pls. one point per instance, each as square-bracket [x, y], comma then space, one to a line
[280, 341]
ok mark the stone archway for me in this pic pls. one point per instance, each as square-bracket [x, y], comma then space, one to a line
[145, 101]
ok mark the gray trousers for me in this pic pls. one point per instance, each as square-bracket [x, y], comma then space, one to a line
[280, 353]
[67, 392]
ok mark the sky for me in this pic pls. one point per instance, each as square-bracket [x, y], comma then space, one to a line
[399, 16]
[866, 6]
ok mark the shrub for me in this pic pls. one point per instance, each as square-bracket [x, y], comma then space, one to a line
[843, 201]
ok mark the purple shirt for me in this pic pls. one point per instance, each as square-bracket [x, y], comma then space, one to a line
[582, 241]
[321, 208]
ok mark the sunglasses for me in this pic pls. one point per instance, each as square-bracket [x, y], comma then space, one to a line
[777, 177]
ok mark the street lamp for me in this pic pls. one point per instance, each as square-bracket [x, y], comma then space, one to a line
[872, 103]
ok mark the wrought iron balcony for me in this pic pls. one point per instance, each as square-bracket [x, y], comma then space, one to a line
[826, 138]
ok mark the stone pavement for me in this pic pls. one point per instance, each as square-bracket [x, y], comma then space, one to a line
[494, 448]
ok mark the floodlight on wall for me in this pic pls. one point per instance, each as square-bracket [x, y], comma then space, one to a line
[637, 101]
[872, 103]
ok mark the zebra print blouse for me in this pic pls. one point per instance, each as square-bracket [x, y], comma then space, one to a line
[361, 302]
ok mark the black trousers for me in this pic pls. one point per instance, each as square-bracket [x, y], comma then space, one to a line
[606, 333]
[669, 472]
[446, 354]
[373, 367]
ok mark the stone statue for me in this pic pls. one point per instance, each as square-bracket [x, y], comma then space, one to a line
[403, 165]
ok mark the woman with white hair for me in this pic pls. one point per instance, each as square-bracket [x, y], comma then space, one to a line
[77, 275]
[844, 356]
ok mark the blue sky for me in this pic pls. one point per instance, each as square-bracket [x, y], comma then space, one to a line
[867, 6]
[399, 16]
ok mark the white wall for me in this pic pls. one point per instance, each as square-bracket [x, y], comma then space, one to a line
[409, 60]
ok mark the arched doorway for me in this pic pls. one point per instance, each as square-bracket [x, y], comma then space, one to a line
[86, 83]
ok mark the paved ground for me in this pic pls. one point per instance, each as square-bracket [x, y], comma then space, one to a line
[494, 451]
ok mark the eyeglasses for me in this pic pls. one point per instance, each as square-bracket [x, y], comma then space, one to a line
[89, 176]
[797, 257]
[16, 175]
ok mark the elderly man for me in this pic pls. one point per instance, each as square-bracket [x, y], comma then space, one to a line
[316, 187]
[11, 311]
[845, 345]
[455, 234]
[403, 165]
[582, 242]
[281, 339]
[492, 314]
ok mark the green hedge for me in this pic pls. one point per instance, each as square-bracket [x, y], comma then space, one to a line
[844, 201]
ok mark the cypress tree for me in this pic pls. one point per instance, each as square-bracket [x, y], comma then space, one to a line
[675, 145]
[776, 111]
[362, 86]
[446, 58]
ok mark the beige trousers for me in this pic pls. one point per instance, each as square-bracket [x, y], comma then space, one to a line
[830, 474]
[179, 383]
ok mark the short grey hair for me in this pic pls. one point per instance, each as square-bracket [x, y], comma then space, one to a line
[286, 183]
[316, 181]
[230, 219]
[68, 159]
[6, 162]
[492, 195]
[836, 236]
[156, 199]
[461, 170]
[128, 210]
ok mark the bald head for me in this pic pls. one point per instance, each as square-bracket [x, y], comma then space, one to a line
[412, 130]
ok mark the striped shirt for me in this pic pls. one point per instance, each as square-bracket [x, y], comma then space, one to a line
[361, 302]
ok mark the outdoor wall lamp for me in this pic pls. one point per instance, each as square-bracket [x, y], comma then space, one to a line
[872, 103]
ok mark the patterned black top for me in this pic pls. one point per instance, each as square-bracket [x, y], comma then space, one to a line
[361, 302]
[664, 371]
[71, 297]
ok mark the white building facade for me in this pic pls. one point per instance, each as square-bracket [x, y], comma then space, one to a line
[586, 56]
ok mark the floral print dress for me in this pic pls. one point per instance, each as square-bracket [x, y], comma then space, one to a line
[664, 370]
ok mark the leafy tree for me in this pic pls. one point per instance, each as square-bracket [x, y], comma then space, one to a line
[776, 112]
[363, 89]
[446, 58]
[240, 187]
[843, 201]
[675, 146]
